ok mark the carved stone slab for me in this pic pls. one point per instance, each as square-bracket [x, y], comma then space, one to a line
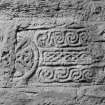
[52, 52]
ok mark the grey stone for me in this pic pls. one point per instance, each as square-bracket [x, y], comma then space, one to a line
[52, 52]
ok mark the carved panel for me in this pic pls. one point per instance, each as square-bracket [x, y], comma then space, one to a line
[67, 53]
[52, 52]
[27, 59]
[64, 54]
[65, 74]
[65, 38]
[65, 58]
[70, 54]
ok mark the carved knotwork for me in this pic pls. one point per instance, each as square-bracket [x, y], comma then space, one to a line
[27, 58]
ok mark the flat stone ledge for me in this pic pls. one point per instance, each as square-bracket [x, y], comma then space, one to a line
[37, 95]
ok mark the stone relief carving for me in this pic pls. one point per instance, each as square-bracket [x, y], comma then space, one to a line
[63, 75]
[72, 38]
[52, 52]
[59, 55]
[20, 56]
[27, 59]
[65, 58]
[68, 54]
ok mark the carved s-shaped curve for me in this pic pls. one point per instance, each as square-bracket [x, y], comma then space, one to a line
[28, 74]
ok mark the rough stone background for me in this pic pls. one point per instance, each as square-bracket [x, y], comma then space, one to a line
[52, 52]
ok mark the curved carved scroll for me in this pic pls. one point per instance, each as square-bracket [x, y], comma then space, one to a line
[63, 75]
[72, 37]
[63, 38]
[27, 58]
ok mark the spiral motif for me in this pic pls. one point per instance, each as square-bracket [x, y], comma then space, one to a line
[46, 75]
[63, 75]
[83, 36]
[87, 75]
[72, 37]
[76, 75]
[59, 38]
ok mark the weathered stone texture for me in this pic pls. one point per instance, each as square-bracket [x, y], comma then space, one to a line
[52, 52]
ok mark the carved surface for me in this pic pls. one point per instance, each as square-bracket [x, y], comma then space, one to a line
[66, 38]
[52, 52]
[27, 58]
[61, 75]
